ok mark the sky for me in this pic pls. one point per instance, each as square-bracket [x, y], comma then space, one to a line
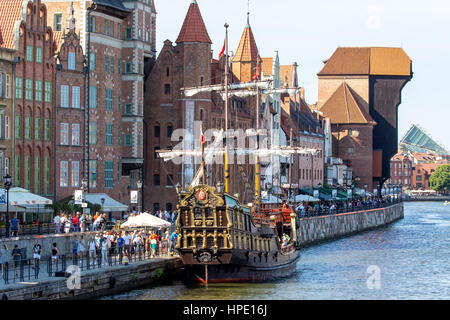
[308, 32]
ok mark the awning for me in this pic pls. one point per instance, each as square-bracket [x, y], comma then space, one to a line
[110, 205]
[24, 198]
[305, 198]
[11, 208]
[145, 220]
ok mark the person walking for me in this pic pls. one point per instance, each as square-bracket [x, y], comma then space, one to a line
[15, 226]
[37, 250]
[57, 223]
[120, 244]
[17, 256]
[105, 252]
[3, 258]
[173, 240]
[67, 225]
[92, 244]
[55, 253]
[75, 250]
[81, 247]
[127, 244]
[76, 222]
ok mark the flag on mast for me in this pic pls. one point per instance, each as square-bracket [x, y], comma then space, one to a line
[256, 75]
[197, 177]
[202, 136]
[223, 50]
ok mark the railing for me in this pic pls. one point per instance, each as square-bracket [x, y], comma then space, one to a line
[339, 210]
[28, 229]
[29, 270]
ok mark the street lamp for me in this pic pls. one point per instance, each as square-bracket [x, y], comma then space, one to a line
[103, 202]
[8, 185]
[139, 186]
[401, 191]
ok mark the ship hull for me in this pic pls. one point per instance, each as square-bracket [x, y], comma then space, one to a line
[241, 269]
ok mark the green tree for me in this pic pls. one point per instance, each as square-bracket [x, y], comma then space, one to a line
[440, 179]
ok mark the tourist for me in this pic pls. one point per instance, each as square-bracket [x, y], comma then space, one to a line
[55, 253]
[120, 244]
[92, 244]
[76, 222]
[3, 257]
[173, 240]
[153, 246]
[82, 222]
[37, 250]
[15, 226]
[17, 256]
[127, 244]
[104, 252]
[67, 225]
[81, 247]
[57, 223]
[97, 221]
[75, 247]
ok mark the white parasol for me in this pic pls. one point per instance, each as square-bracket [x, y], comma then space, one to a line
[145, 220]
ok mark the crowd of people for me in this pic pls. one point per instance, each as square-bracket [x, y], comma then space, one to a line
[343, 206]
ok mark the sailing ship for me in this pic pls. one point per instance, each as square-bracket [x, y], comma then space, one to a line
[222, 240]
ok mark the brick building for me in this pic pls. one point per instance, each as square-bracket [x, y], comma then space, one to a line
[118, 39]
[373, 78]
[25, 30]
[6, 109]
[402, 169]
[70, 112]
[189, 63]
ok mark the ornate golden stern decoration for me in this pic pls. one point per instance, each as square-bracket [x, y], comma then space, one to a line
[202, 195]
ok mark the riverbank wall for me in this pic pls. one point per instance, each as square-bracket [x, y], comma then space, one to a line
[324, 228]
[97, 283]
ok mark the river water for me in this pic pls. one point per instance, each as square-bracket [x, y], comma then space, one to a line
[409, 259]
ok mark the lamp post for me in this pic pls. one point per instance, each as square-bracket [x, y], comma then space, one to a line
[8, 185]
[401, 191]
[139, 186]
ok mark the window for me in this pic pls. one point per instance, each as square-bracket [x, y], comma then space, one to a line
[19, 88]
[37, 175]
[109, 99]
[71, 61]
[169, 180]
[75, 174]
[2, 85]
[106, 64]
[18, 127]
[119, 66]
[58, 22]
[64, 174]
[106, 27]
[111, 29]
[64, 133]
[37, 128]
[27, 182]
[28, 128]
[6, 166]
[156, 181]
[128, 109]
[75, 134]
[29, 54]
[109, 174]
[119, 26]
[38, 55]
[92, 132]
[92, 174]
[167, 89]
[111, 65]
[155, 152]
[47, 129]
[109, 134]
[29, 89]
[128, 34]
[64, 96]
[128, 140]
[93, 97]
[76, 97]
[157, 131]
[17, 171]
[47, 175]
[7, 125]
[91, 24]
[92, 61]
[38, 86]
[48, 91]
[128, 67]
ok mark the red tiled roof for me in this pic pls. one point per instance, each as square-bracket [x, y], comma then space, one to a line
[267, 66]
[57, 39]
[346, 106]
[247, 50]
[10, 12]
[193, 29]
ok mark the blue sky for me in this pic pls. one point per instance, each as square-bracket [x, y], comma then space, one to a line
[308, 32]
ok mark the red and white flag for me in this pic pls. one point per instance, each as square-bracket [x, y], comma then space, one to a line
[257, 73]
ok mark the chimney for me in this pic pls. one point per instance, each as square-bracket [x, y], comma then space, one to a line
[302, 93]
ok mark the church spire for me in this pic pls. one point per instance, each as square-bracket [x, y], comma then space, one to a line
[193, 29]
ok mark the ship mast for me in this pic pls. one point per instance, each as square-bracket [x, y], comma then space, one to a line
[257, 166]
[227, 170]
